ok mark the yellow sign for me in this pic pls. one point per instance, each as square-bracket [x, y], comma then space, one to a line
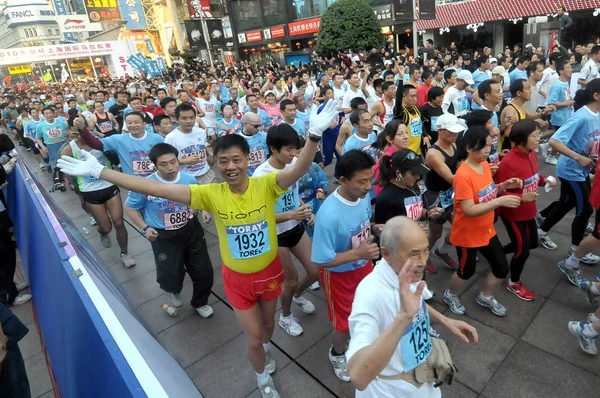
[81, 64]
[18, 69]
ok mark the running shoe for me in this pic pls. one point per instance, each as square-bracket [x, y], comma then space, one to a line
[590, 228]
[519, 290]
[49, 168]
[315, 286]
[588, 345]
[340, 366]
[22, 298]
[105, 240]
[447, 259]
[539, 219]
[453, 302]
[551, 160]
[267, 389]
[205, 311]
[592, 298]
[545, 240]
[434, 333]
[589, 318]
[42, 166]
[127, 261]
[290, 325]
[28, 149]
[270, 365]
[491, 303]
[546, 149]
[93, 221]
[430, 269]
[588, 259]
[306, 306]
[176, 300]
[22, 285]
[574, 274]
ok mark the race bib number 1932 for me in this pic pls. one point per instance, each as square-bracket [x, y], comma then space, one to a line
[248, 240]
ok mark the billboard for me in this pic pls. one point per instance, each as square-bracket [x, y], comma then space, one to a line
[27, 55]
[133, 13]
[77, 23]
[199, 8]
[304, 26]
[195, 35]
[215, 32]
[29, 14]
[426, 9]
[403, 10]
[103, 10]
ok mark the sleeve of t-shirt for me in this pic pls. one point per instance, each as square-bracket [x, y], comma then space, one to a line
[200, 197]
[554, 94]
[463, 189]
[110, 143]
[566, 131]
[38, 132]
[135, 200]
[271, 182]
[585, 72]
[363, 321]
[448, 98]
[323, 249]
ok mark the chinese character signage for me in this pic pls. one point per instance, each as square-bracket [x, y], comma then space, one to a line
[151, 68]
[149, 46]
[426, 9]
[403, 10]
[274, 33]
[304, 27]
[133, 13]
[161, 64]
[195, 35]
[61, 9]
[384, 14]
[255, 35]
[199, 8]
[215, 32]
[136, 63]
[103, 10]
[18, 69]
[27, 55]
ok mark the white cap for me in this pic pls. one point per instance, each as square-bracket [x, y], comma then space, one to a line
[269, 92]
[449, 122]
[466, 76]
[492, 60]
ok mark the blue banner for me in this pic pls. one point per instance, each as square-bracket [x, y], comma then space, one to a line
[152, 69]
[61, 9]
[141, 58]
[133, 13]
[149, 46]
[161, 64]
[136, 63]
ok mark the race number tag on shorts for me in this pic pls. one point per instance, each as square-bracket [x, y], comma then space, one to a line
[54, 132]
[447, 198]
[531, 184]
[177, 217]
[488, 193]
[248, 240]
[256, 157]
[416, 343]
[288, 201]
[463, 105]
[416, 127]
[414, 207]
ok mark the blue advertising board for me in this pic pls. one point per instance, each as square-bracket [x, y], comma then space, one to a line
[133, 13]
[161, 64]
[61, 9]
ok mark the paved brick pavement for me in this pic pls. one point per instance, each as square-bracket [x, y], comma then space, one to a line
[530, 353]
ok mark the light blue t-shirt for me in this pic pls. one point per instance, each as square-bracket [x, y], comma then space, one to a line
[335, 233]
[52, 133]
[298, 125]
[259, 150]
[517, 74]
[231, 125]
[30, 128]
[559, 92]
[224, 94]
[133, 152]
[162, 213]
[479, 77]
[265, 120]
[581, 134]
[305, 117]
[355, 142]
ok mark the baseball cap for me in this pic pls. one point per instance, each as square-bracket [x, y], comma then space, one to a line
[492, 60]
[449, 122]
[466, 76]
[89, 103]
[409, 160]
[499, 70]
[269, 92]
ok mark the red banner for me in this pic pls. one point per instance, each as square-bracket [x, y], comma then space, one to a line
[255, 35]
[278, 31]
[304, 27]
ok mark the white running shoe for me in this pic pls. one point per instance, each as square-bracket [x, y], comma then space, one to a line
[545, 240]
[22, 285]
[551, 160]
[315, 286]
[22, 298]
[290, 325]
[588, 345]
[205, 311]
[105, 240]
[267, 389]
[306, 306]
[42, 165]
[546, 149]
[93, 221]
[270, 365]
[176, 300]
[127, 261]
[340, 366]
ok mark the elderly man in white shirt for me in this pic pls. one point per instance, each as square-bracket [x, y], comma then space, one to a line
[389, 323]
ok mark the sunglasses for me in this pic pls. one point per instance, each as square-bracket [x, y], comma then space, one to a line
[255, 125]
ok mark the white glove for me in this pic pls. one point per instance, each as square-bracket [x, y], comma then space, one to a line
[86, 166]
[320, 122]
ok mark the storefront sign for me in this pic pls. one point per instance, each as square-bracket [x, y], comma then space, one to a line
[426, 9]
[30, 14]
[384, 14]
[46, 53]
[19, 69]
[103, 10]
[215, 32]
[199, 8]
[133, 12]
[304, 27]
[227, 27]
[76, 23]
[403, 10]
[241, 38]
[274, 33]
[61, 11]
[255, 35]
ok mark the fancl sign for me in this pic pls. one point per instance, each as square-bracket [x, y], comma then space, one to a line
[29, 14]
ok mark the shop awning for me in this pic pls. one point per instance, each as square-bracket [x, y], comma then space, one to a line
[474, 11]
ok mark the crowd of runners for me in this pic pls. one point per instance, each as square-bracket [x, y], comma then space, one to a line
[416, 146]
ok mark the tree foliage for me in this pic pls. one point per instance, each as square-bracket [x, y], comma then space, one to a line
[348, 24]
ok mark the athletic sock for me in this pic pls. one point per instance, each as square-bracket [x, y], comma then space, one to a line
[588, 331]
[593, 318]
[124, 252]
[334, 353]
[267, 347]
[512, 283]
[595, 290]
[572, 262]
[442, 246]
[262, 377]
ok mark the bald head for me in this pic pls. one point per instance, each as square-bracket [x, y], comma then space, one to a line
[398, 231]
[250, 120]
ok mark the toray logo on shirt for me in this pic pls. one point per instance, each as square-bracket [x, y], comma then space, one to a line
[488, 193]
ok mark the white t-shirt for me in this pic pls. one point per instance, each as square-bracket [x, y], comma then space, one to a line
[287, 202]
[210, 109]
[548, 78]
[350, 95]
[458, 99]
[338, 95]
[589, 71]
[376, 304]
[188, 144]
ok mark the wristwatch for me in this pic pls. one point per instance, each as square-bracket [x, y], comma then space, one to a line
[145, 228]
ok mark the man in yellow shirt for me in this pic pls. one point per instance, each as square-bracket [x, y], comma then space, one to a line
[244, 213]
